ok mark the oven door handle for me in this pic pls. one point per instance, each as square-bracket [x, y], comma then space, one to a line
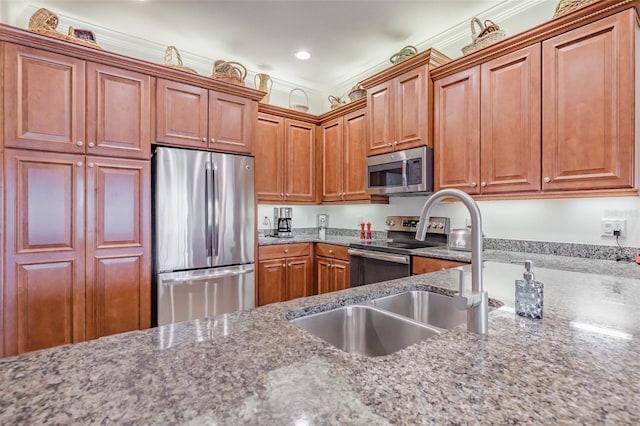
[379, 256]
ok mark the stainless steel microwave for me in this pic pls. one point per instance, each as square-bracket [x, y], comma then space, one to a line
[401, 172]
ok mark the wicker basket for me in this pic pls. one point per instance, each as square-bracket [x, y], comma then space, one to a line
[299, 107]
[168, 60]
[357, 92]
[45, 22]
[231, 72]
[489, 33]
[567, 6]
[404, 53]
[336, 102]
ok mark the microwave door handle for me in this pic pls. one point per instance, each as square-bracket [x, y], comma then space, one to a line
[404, 173]
[208, 187]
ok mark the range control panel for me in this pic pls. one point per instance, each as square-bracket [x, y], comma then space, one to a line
[437, 225]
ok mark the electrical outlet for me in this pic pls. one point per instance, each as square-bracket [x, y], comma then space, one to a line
[265, 221]
[611, 225]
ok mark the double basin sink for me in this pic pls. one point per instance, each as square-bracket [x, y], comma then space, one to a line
[384, 325]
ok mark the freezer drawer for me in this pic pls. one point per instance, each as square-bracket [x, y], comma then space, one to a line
[204, 293]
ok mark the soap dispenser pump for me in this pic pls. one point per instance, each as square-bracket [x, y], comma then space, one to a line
[529, 294]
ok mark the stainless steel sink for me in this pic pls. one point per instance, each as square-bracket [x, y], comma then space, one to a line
[425, 307]
[365, 330]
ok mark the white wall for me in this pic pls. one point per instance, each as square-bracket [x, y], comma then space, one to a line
[562, 220]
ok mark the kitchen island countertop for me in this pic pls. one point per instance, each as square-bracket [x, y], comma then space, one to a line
[577, 365]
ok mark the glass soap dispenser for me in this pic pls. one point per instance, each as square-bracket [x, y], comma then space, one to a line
[529, 294]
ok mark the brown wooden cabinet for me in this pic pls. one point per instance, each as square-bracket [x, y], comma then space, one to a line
[499, 153]
[285, 160]
[332, 268]
[589, 114]
[63, 104]
[343, 141]
[64, 282]
[284, 272]
[423, 265]
[397, 111]
[193, 116]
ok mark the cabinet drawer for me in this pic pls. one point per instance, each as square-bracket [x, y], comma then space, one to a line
[333, 251]
[422, 265]
[284, 250]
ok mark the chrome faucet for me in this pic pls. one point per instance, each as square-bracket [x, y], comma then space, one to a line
[476, 303]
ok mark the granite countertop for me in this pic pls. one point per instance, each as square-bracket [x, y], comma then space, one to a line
[341, 240]
[577, 365]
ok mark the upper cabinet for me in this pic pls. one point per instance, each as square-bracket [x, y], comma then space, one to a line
[285, 160]
[398, 102]
[58, 103]
[554, 119]
[193, 116]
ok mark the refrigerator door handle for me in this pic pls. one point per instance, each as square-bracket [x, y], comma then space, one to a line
[221, 274]
[209, 210]
[216, 208]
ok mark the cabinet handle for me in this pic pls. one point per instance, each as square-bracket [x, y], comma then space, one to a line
[90, 165]
[547, 179]
[473, 184]
[91, 144]
[213, 140]
[483, 184]
[204, 140]
[79, 143]
[79, 164]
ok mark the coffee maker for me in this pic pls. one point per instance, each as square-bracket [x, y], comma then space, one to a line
[282, 220]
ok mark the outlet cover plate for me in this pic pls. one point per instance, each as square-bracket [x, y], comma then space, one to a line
[611, 225]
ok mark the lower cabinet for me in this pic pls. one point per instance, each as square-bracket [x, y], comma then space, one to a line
[423, 265]
[332, 268]
[284, 272]
[77, 248]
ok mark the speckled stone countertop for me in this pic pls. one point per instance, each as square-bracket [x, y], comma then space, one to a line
[579, 365]
[341, 240]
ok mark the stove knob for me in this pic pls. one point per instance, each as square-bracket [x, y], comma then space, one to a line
[441, 226]
[391, 223]
[433, 225]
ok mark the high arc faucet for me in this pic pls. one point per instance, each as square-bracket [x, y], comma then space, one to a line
[476, 303]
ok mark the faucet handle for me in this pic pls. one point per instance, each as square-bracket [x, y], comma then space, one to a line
[465, 301]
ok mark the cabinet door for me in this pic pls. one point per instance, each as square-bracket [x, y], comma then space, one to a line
[300, 162]
[299, 277]
[323, 275]
[588, 106]
[423, 265]
[181, 114]
[231, 121]
[411, 109]
[341, 275]
[44, 100]
[511, 119]
[271, 281]
[45, 251]
[118, 112]
[380, 109]
[332, 160]
[457, 131]
[269, 158]
[354, 149]
[118, 273]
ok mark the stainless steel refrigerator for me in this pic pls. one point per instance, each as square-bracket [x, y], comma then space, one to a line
[204, 233]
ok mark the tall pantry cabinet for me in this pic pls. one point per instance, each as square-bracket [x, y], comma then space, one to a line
[77, 137]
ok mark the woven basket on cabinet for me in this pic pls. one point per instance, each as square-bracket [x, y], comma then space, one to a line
[168, 60]
[567, 6]
[489, 33]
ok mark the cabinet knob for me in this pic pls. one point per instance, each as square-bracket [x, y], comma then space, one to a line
[286, 250]
[287, 194]
[483, 184]
[90, 165]
[388, 143]
[473, 184]
[547, 179]
[212, 140]
[204, 140]
[79, 143]
[79, 164]
[91, 144]
[330, 251]
[282, 194]
[284, 265]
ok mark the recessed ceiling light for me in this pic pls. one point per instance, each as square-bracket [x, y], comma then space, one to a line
[303, 55]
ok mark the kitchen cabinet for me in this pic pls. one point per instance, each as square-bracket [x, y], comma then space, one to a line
[77, 248]
[196, 117]
[498, 150]
[284, 272]
[343, 142]
[285, 160]
[423, 265]
[332, 268]
[589, 114]
[397, 109]
[63, 104]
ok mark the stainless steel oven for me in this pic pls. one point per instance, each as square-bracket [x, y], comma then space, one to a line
[369, 266]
